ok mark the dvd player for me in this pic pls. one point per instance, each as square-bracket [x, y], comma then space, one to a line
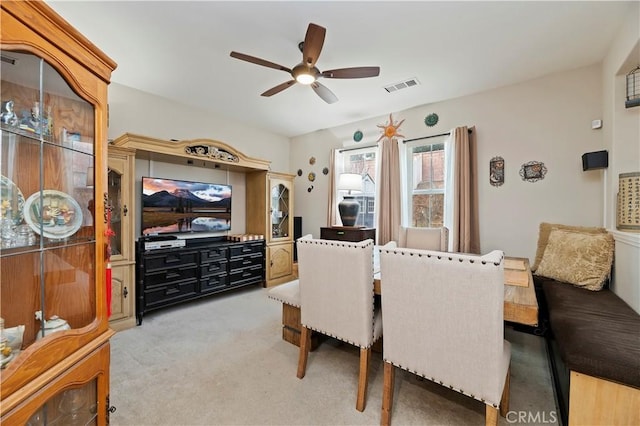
[163, 244]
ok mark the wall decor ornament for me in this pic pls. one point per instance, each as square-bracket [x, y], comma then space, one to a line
[299, 172]
[311, 177]
[312, 160]
[390, 130]
[325, 171]
[496, 171]
[628, 208]
[357, 136]
[431, 119]
[533, 171]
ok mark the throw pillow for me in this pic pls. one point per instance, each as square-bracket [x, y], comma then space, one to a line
[545, 230]
[578, 258]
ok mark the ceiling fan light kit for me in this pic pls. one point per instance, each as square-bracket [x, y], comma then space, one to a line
[306, 72]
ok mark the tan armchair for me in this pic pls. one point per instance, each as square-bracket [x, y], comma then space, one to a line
[443, 320]
[424, 238]
[337, 299]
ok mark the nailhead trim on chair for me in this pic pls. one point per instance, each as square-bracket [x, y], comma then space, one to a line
[436, 381]
[440, 257]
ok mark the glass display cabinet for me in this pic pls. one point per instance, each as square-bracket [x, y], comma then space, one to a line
[52, 242]
[272, 192]
[279, 210]
[120, 189]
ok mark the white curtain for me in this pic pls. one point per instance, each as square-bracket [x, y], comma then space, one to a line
[449, 183]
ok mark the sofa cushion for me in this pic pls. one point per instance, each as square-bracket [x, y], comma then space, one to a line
[545, 230]
[581, 259]
[597, 332]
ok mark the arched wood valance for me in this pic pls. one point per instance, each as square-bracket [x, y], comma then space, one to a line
[191, 152]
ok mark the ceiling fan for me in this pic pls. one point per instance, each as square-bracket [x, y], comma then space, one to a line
[306, 71]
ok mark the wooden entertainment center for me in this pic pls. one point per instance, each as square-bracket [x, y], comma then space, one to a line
[204, 266]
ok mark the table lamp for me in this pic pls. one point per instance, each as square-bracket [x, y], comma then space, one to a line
[349, 206]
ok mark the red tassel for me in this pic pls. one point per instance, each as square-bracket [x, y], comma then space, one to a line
[108, 285]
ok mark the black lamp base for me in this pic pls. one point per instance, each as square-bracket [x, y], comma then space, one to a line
[348, 209]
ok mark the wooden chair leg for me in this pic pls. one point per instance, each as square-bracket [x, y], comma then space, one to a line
[305, 345]
[365, 357]
[387, 394]
[491, 416]
[504, 401]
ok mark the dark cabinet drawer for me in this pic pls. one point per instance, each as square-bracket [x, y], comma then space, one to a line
[255, 259]
[247, 275]
[165, 276]
[164, 260]
[213, 267]
[246, 248]
[213, 253]
[214, 282]
[168, 294]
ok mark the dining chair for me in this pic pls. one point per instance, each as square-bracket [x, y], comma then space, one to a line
[443, 320]
[337, 299]
[424, 238]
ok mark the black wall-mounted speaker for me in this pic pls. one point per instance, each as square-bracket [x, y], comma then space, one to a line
[595, 160]
[297, 233]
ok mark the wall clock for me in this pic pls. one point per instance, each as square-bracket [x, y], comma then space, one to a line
[357, 136]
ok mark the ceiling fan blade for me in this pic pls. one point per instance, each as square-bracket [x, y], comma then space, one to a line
[279, 88]
[322, 91]
[356, 72]
[259, 61]
[313, 42]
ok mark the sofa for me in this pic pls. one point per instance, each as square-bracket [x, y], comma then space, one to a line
[593, 336]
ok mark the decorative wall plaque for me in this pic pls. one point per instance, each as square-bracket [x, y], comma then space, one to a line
[533, 171]
[496, 171]
[211, 152]
[628, 211]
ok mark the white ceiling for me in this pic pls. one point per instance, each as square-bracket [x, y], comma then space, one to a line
[180, 50]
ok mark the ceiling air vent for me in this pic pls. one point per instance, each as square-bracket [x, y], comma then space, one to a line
[402, 85]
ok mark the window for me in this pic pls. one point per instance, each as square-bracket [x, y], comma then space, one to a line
[425, 183]
[363, 162]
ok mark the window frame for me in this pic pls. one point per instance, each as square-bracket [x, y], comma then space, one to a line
[407, 170]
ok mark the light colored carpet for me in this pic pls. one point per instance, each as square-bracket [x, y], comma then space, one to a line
[222, 361]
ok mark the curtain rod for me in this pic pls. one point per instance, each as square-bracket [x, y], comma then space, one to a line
[358, 147]
[404, 141]
[429, 137]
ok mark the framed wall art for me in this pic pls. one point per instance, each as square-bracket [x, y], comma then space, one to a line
[628, 209]
[533, 171]
[496, 171]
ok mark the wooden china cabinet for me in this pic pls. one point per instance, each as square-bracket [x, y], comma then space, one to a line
[55, 336]
[121, 190]
[270, 212]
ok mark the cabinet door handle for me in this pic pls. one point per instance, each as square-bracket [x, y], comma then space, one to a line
[125, 210]
[125, 292]
[339, 232]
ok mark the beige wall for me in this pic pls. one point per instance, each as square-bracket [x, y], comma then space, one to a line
[547, 119]
[622, 129]
[133, 111]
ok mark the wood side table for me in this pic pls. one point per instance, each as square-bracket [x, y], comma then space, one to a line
[347, 233]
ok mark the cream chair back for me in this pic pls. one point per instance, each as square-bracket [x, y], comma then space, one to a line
[336, 289]
[443, 318]
[424, 238]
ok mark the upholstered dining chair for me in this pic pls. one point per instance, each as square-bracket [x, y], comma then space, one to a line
[424, 238]
[337, 299]
[443, 320]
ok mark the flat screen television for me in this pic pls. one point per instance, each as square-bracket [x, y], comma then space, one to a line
[178, 206]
